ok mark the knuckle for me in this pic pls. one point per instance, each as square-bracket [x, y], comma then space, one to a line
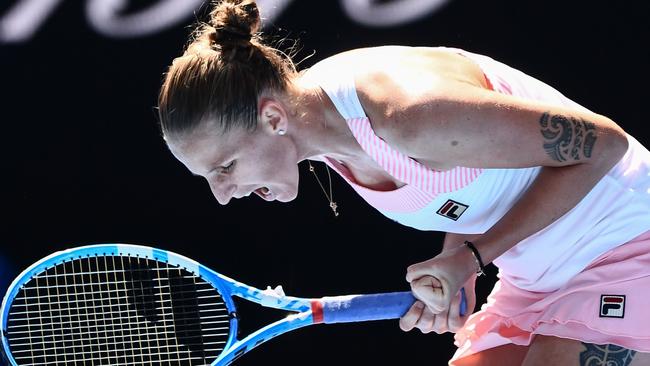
[456, 324]
[440, 328]
[436, 309]
[410, 269]
[405, 325]
[425, 328]
[453, 326]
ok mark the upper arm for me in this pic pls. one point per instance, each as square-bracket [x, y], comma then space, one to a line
[458, 124]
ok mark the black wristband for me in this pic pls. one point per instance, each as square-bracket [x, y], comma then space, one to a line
[477, 257]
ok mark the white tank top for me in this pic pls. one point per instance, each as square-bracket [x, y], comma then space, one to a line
[469, 200]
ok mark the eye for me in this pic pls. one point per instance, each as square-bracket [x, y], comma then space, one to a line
[227, 168]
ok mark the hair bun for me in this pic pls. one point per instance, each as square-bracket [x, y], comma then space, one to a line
[235, 20]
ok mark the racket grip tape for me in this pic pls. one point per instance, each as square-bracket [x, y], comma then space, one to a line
[357, 308]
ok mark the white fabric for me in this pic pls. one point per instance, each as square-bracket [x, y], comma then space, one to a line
[614, 212]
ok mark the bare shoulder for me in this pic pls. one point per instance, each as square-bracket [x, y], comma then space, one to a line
[391, 77]
[412, 64]
[434, 105]
[407, 67]
[399, 87]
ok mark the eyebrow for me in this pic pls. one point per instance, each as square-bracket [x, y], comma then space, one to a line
[219, 163]
[215, 167]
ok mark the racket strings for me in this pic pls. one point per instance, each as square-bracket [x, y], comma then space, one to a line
[114, 310]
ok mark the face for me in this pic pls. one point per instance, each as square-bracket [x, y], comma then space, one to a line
[241, 162]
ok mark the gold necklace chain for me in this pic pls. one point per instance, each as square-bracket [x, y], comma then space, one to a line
[329, 197]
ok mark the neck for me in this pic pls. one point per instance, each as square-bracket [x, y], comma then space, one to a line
[319, 129]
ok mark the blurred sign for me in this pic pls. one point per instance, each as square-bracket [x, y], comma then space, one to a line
[111, 17]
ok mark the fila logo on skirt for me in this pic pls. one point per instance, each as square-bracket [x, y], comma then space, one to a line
[612, 306]
[452, 210]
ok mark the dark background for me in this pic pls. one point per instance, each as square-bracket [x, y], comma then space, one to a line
[84, 162]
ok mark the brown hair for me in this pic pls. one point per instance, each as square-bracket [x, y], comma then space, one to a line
[222, 72]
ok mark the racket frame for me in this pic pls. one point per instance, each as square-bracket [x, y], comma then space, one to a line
[226, 287]
[304, 311]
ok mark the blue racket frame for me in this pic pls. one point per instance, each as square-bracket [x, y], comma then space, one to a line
[306, 311]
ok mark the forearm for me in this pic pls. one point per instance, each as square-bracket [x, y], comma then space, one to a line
[453, 240]
[555, 191]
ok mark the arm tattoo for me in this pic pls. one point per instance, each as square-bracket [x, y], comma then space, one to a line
[605, 355]
[566, 138]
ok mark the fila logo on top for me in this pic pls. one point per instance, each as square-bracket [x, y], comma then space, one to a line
[612, 306]
[452, 209]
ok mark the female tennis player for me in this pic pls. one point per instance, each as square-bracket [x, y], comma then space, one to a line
[516, 174]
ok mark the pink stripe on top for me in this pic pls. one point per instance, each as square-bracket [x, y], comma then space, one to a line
[423, 184]
[404, 199]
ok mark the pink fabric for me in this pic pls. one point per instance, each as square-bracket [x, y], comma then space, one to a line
[407, 198]
[408, 170]
[422, 183]
[513, 315]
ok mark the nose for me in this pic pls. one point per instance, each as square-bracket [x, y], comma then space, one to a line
[223, 191]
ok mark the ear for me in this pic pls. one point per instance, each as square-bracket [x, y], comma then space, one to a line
[273, 116]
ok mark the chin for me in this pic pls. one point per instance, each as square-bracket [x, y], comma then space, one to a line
[286, 196]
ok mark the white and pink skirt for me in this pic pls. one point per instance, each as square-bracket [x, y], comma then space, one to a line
[607, 303]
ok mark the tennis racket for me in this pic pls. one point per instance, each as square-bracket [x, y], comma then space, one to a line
[121, 304]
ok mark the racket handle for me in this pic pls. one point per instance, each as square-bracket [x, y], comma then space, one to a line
[463, 302]
[357, 308]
